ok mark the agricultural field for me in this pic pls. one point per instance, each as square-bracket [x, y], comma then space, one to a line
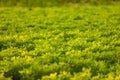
[60, 43]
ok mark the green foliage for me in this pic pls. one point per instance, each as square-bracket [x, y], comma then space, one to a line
[45, 3]
[68, 43]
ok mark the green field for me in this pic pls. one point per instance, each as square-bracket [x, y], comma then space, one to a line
[60, 43]
[50, 3]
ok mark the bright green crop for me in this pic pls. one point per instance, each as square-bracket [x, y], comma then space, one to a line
[67, 43]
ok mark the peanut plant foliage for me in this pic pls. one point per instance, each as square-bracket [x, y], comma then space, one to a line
[67, 43]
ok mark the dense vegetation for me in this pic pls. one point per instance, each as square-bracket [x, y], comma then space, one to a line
[44, 3]
[68, 43]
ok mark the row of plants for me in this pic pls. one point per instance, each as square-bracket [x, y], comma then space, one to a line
[45, 3]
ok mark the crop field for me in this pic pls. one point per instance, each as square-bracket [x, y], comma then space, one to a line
[60, 43]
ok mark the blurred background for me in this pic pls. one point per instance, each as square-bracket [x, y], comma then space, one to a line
[48, 3]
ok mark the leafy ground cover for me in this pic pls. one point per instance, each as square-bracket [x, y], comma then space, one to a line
[67, 43]
[51, 3]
